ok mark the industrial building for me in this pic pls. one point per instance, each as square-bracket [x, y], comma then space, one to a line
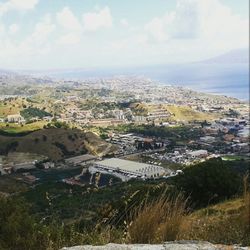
[198, 153]
[131, 168]
[80, 160]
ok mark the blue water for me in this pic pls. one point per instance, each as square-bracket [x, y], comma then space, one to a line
[231, 80]
[224, 79]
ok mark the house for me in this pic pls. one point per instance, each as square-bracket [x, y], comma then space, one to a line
[207, 139]
[17, 118]
[48, 165]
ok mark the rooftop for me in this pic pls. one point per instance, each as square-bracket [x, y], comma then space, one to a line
[125, 165]
[80, 158]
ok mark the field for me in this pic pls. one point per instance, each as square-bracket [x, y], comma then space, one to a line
[15, 128]
[234, 157]
[184, 113]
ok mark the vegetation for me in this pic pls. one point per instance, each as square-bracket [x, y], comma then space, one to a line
[164, 217]
[157, 221]
[209, 182]
[182, 133]
[57, 145]
[30, 112]
[184, 113]
[52, 214]
[18, 129]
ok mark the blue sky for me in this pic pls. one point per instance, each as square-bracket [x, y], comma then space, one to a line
[44, 34]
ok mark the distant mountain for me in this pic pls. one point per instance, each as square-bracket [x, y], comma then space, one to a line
[6, 72]
[231, 57]
[11, 77]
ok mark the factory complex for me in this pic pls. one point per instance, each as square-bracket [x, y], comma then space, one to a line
[131, 168]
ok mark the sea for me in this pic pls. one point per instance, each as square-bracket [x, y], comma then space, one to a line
[230, 80]
[223, 79]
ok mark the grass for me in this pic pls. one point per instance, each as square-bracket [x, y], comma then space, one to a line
[15, 128]
[55, 143]
[224, 223]
[234, 157]
[184, 113]
[157, 221]
[246, 197]
[162, 219]
[178, 113]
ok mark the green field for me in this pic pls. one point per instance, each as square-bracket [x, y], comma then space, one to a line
[234, 157]
[15, 128]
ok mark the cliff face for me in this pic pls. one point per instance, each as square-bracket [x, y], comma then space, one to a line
[175, 245]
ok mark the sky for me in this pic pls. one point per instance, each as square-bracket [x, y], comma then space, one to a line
[54, 34]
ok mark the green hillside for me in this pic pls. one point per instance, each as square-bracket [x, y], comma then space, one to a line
[55, 143]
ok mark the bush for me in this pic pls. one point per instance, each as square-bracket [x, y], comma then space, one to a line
[17, 228]
[208, 182]
[29, 113]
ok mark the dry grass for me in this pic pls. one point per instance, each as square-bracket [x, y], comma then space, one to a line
[224, 223]
[44, 141]
[246, 197]
[157, 221]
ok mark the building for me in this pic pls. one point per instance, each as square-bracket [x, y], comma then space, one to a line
[15, 118]
[24, 166]
[208, 139]
[105, 122]
[131, 168]
[198, 153]
[80, 159]
[48, 165]
[140, 118]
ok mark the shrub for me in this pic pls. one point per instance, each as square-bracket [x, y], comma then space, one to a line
[246, 197]
[208, 182]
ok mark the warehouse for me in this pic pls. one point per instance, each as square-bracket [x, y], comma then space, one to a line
[131, 168]
[198, 153]
[80, 159]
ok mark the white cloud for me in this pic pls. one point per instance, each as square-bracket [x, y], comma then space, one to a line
[208, 21]
[19, 5]
[193, 30]
[2, 29]
[67, 19]
[93, 21]
[42, 30]
[13, 28]
[124, 22]
[37, 43]
[70, 38]
[155, 28]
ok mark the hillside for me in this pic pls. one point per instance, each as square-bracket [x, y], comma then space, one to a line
[177, 113]
[56, 143]
[184, 113]
[223, 222]
[231, 57]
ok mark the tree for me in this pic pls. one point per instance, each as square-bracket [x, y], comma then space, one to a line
[17, 227]
[208, 182]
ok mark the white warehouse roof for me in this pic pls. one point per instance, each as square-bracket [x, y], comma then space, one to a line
[198, 152]
[130, 166]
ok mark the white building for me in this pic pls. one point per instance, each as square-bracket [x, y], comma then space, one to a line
[208, 139]
[198, 153]
[15, 118]
[132, 168]
[80, 159]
